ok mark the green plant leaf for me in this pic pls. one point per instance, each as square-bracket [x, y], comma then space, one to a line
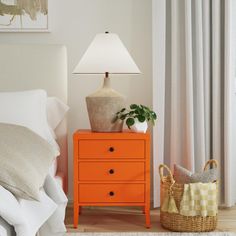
[114, 119]
[141, 118]
[154, 115]
[133, 106]
[123, 109]
[142, 112]
[146, 108]
[138, 111]
[129, 122]
[122, 117]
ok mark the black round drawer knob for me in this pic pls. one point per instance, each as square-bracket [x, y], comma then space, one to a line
[111, 193]
[111, 149]
[111, 171]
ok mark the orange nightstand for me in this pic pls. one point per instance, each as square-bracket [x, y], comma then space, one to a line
[111, 169]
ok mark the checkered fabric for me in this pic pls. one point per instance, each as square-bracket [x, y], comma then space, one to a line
[199, 199]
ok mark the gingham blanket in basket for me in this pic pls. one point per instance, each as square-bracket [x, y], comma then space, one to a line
[199, 199]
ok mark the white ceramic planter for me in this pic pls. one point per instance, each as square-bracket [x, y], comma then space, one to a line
[139, 127]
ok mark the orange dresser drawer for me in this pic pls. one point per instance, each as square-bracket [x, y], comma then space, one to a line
[111, 149]
[111, 193]
[108, 171]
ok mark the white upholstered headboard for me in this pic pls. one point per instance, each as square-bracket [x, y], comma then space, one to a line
[24, 67]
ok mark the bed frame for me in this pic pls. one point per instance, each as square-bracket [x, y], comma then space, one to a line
[25, 67]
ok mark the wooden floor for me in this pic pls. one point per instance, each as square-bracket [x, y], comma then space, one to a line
[95, 219]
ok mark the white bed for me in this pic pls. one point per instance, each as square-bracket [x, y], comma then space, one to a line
[27, 67]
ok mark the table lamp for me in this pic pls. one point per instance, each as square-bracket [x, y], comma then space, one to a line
[106, 55]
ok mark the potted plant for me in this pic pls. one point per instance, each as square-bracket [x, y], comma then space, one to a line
[136, 117]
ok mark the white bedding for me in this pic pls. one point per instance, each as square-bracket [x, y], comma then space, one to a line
[28, 217]
[6, 229]
[25, 59]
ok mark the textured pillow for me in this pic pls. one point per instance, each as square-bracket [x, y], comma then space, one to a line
[56, 111]
[184, 176]
[25, 159]
[27, 108]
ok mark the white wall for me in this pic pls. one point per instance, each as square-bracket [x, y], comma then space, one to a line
[75, 23]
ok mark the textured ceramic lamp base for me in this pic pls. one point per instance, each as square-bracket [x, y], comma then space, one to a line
[102, 107]
[102, 111]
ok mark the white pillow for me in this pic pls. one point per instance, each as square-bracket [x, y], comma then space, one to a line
[27, 108]
[56, 111]
[53, 168]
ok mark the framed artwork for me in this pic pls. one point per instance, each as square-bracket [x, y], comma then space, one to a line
[24, 16]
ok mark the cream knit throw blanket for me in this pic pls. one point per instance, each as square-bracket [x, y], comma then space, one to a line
[25, 159]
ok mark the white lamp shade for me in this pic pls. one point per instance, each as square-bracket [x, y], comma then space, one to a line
[106, 53]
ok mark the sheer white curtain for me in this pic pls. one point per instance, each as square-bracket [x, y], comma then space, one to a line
[191, 87]
[232, 67]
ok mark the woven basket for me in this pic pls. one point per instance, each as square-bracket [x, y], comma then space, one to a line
[177, 222]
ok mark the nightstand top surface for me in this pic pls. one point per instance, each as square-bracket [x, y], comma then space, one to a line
[123, 134]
